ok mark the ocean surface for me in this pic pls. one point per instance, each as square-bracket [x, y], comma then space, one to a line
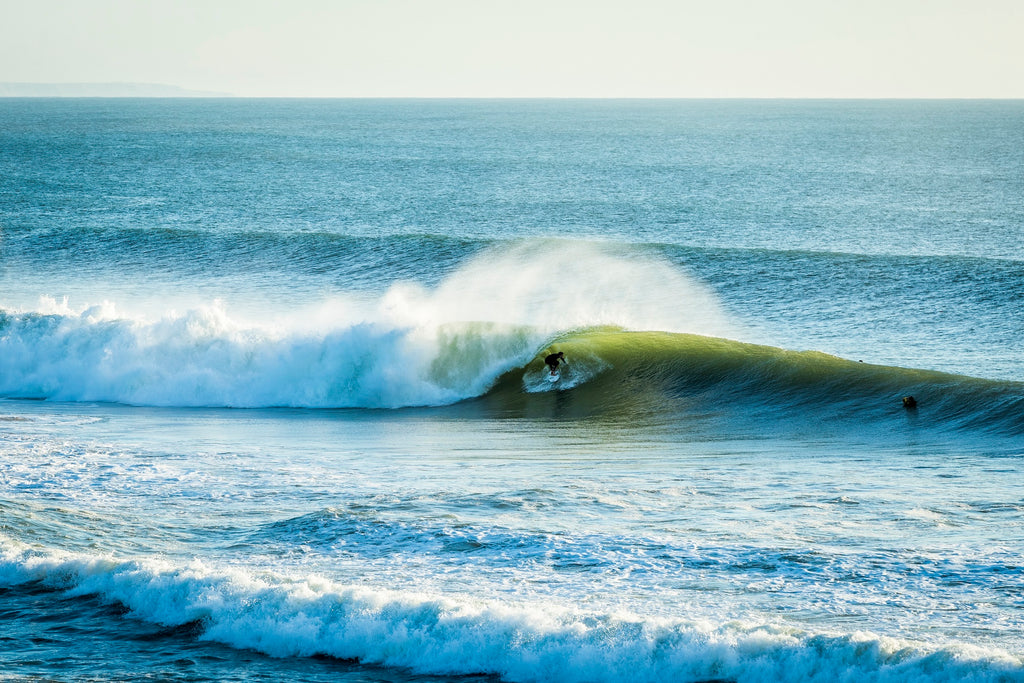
[273, 403]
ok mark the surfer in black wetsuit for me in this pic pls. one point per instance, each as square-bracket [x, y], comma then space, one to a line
[552, 361]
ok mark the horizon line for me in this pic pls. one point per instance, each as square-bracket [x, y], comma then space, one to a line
[146, 90]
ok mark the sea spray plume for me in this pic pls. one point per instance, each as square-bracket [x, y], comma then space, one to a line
[558, 285]
[289, 616]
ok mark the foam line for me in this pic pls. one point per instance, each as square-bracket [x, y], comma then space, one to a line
[285, 617]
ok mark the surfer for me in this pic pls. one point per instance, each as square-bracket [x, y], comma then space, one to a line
[552, 361]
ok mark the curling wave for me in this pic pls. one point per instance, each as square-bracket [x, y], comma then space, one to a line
[480, 336]
[204, 359]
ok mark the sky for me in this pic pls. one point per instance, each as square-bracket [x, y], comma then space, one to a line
[524, 48]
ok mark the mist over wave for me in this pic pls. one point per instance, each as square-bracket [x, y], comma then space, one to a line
[410, 346]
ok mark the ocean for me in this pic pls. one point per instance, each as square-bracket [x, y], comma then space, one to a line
[273, 401]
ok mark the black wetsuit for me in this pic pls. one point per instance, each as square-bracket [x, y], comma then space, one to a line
[552, 360]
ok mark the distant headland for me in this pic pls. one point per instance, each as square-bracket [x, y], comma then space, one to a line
[101, 90]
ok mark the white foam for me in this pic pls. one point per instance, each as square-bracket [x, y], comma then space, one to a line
[413, 346]
[433, 634]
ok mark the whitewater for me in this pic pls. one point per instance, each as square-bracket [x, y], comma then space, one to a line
[410, 347]
[273, 403]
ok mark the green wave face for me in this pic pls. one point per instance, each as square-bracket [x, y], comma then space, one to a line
[662, 375]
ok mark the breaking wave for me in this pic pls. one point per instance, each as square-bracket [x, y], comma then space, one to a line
[639, 334]
[410, 346]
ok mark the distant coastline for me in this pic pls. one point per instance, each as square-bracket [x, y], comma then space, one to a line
[101, 90]
[158, 90]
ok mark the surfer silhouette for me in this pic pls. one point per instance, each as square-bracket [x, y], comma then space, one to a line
[552, 361]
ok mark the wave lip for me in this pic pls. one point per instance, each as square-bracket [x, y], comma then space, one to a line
[287, 617]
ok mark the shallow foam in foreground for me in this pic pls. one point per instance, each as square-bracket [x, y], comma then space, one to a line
[298, 617]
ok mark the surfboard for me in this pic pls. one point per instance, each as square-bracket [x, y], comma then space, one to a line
[554, 377]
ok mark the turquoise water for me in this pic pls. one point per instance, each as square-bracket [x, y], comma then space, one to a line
[273, 405]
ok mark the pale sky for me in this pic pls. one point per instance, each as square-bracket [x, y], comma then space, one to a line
[524, 48]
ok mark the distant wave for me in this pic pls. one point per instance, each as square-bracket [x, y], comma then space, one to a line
[433, 634]
[191, 251]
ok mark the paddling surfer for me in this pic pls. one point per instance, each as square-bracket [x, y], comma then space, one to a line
[553, 359]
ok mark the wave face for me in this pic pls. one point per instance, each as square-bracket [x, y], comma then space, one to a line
[430, 634]
[615, 370]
